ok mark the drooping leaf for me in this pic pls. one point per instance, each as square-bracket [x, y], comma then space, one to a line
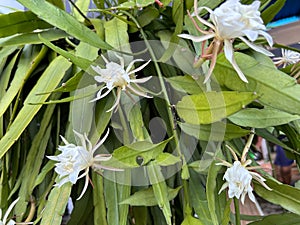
[47, 82]
[269, 13]
[261, 118]
[146, 197]
[20, 22]
[210, 107]
[64, 21]
[33, 38]
[186, 84]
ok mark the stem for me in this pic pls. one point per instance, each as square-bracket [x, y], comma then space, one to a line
[237, 211]
[169, 110]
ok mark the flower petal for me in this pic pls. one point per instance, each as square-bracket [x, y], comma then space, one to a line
[197, 38]
[228, 51]
[256, 48]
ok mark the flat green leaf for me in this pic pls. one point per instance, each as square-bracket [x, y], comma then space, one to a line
[33, 38]
[116, 35]
[20, 22]
[146, 197]
[98, 200]
[211, 190]
[284, 195]
[47, 82]
[56, 205]
[166, 159]
[160, 190]
[282, 219]
[189, 220]
[115, 192]
[147, 15]
[128, 154]
[186, 84]
[274, 88]
[212, 106]
[64, 21]
[218, 131]
[261, 118]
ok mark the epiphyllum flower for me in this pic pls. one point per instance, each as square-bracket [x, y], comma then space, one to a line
[288, 57]
[229, 21]
[5, 217]
[115, 75]
[238, 176]
[75, 159]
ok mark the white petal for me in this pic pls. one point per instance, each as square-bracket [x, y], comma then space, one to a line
[197, 38]
[139, 68]
[228, 51]
[9, 210]
[267, 36]
[256, 48]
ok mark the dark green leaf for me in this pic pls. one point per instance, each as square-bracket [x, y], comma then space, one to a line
[282, 219]
[146, 197]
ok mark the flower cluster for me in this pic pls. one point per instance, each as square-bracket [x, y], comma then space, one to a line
[77, 158]
[115, 75]
[238, 177]
[288, 57]
[5, 217]
[244, 20]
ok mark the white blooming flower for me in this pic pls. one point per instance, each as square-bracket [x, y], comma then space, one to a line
[288, 57]
[5, 217]
[238, 176]
[75, 159]
[115, 75]
[229, 21]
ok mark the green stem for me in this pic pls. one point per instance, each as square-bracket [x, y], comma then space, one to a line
[185, 173]
[237, 211]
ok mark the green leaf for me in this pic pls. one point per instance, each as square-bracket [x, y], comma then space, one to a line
[284, 195]
[282, 219]
[210, 191]
[186, 84]
[261, 118]
[56, 205]
[218, 131]
[146, 197]
[116, 35]
[20, 22]
[64, 21]
[189, 220]
[47, 82]
[166, 159]
[30, 58]
[78, 61]
[147, 15]
[127, 155]
[274, 88]
[212, 106]
[33, 38]
[160, 190]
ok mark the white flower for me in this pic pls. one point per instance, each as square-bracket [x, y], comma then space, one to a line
[229, 21]
[238, 180]
[75, 159]
[238, 176]
[288, 57]
[5, 217]
[115, 75]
